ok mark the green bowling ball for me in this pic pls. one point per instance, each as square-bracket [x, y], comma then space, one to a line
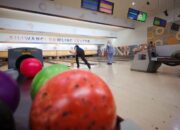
[6, 118]
[45, 74]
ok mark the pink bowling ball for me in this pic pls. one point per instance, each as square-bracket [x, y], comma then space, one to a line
[29, 67]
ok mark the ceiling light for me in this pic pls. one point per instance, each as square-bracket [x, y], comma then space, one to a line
[133, 3]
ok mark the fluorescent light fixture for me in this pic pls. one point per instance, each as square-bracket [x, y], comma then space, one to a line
[133, 3]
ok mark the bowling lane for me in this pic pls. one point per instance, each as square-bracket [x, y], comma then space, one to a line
[71, 62]
[104, 59]
[4, 67]
[68, 62]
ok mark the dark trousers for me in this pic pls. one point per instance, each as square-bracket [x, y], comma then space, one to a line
[82, 56]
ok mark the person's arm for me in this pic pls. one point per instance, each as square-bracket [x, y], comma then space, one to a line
[107, 48]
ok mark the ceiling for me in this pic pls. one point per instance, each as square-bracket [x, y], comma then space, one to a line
[154, 7]
[15, 14]
[121, 7]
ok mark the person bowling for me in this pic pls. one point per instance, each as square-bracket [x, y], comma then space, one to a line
[79, 52]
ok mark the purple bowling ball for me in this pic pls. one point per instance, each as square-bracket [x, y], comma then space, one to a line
[9, 91]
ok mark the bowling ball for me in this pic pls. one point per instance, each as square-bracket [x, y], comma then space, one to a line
[9, 91]
[73, 100]
[6, 117]
[29, 67]
[45, 74]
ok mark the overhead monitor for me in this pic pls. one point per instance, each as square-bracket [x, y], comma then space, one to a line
[137, 15]
[142, 16]
[175, 27]
[106, 6]
[159, 22]
[133, 14]
[90, 4]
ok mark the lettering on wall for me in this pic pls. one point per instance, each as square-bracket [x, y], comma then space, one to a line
[39, 37]
[42, 39]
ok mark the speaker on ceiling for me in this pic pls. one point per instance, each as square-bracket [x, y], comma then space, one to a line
[166, 12]
[148, 3]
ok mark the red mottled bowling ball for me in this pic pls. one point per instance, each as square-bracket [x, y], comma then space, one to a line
[29, 67]
[73, 100]
[9, 91]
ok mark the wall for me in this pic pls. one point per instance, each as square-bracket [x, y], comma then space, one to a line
[163, 35]
[7, 23]
[139, 34]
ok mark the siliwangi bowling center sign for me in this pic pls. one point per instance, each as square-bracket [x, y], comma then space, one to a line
[38, 37]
